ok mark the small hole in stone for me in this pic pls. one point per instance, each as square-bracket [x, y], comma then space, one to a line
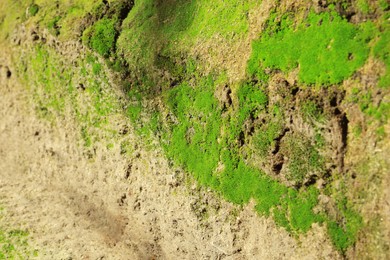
[337, 112]
[333, 101]
[277, 167]
[294, 91]
[81, 86]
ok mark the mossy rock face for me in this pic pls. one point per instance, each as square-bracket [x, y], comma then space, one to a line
[277, 135]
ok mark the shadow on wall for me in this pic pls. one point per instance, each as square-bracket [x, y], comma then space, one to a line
[176, 15]
[147, 37]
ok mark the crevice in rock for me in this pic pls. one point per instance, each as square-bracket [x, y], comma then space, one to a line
[122, 200]
[344, 130]
[337, 112]
[228, 92]
[294, 91]
[277, 167]
[241, 139]
[124, 9]
[277, 158]
[279, 139]
[311, 181]
[333, 101]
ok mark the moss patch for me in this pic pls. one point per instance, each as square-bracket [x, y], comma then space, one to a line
[325, 46]
[14, 242]
[101, 37]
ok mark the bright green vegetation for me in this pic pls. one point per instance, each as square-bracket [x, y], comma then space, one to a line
[14, 242]
[384, 4]
[326, 48]
[33, 10]
[13, 245]
[208, 141]
[53, 26]
[252, 100]
[228, 18]
[11, 13]
[266, 136]
[101, 37]
[345, 233]
[63, 18]
[134, 110]
[52, 100]
[363, 6]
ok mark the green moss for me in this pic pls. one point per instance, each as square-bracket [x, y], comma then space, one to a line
[206, 144]
[364, 98]
[345, 232]
[382, 52]
[312, 112]
[383, 4]
[239, 184]
[86, 137]
[304, 159]
[319, 140]
[137, 40]
[280, 217]
[12, 13]
[266, 136]
[53, 27]
[229, 18]
[194, 137]
[33, 10]
[96, 68]
[381, 132]
[363, 6]
[197, 142]
[325, 46]
[134, 112]
[54, 90]
[252, 100]
[14, 242]
[270, 194]
[101, 37]
[301, 209]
